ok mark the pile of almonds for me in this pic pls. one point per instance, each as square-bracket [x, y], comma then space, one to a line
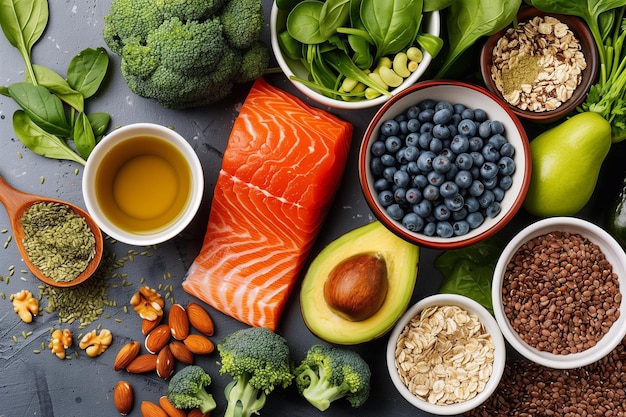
[165, 343]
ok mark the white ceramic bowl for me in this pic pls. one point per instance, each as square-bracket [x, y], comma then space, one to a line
[491, 327]
[278, 18]
[93, 175]
[614, 254]
[473, 97]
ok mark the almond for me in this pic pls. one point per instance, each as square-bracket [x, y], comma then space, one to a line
[171, 411]
[179, 322]
[126, 354]
[158, 338]
[181, 352]
[123, 397]
[200, 319]
[150, 409]
[199, 344]
[142, 364]
[148, 325]
[165, 363]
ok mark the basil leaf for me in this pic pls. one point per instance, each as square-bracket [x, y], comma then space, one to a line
[99, 122]
[4, 90]
[23, 23]
[87, 71]
[392, 24]
[41, 106]
[57, 85]
[41, 142]
[83, 136]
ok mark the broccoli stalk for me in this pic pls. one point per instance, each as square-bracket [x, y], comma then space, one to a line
[187, 389]
[258, 361]
[329, 373]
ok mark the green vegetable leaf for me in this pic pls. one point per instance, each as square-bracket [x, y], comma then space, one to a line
[87, 71]
[99, 122]
[392, 24]
[469, 271]
[303, 22]
[83, 136]
[432, 5]
[4, 90]
[42, 107]
[57, 85]
[335, 13]
[23, 22]
[41, 142]
[469, 20]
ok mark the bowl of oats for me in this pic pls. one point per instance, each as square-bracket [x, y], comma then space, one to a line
[543, 67]
[446, 354]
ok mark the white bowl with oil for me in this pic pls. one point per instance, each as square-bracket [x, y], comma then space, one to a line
[143, 184]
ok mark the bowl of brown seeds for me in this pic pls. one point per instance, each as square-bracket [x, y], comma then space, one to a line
[542, 67]
[446, 354]
[558, 292]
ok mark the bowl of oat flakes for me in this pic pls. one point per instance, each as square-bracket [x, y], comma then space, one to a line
[543, 67]
[557, 292]
[446, 354]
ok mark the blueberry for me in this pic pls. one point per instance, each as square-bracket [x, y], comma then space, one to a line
[498, 193]
[412, 112]
[493, 210]
[472, 204]
[484, 129]
[463, 179]
[412, 168]
[448, 189]
[399, 118]
[468, 114]
[507, 149]
[399, 195]
[444, 105]
[497, 141]
[395, 211]
[400, 156]
[488, 170]
[490, 153]
[385, 198]
[426, 127]
[459, 144]
[451, 174]
[475, 219]
[442, 116]
[441, 212]
[464, 161]
[435, 178]
[490, 183]
[378, 148]
[389, 172]
[441, 164]
[486, 199]
[459, 214]
[430, 192]
[401, 178]
[436, 145]
[413, 222]
[404, 129]
[425, 161]
[423, 208]
[376, 166]
[444, 229]
[480, 115]
[420, 181]
[505, 182]
[430, 229]
[475, 143]
[413, 125]
[441, 131]
[467, 127]
[455, 202]
[390, 127]
[477, 188]
[411, 153]
[413, 195]
[426, 115]
[393, 143]
[506, 166]
[497, 127]
[381, 184]
[424, 140]
[388, 160]
[478, 158]
[460, 228]
[459, 108]
[427, 103]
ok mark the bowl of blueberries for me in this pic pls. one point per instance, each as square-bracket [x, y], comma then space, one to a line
[445, 164]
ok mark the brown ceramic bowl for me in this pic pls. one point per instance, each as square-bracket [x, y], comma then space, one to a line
[589, 74]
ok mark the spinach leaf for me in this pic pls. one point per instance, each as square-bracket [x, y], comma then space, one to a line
[23, 23]
[303, 22]
[42, 107]
[469, 20]
[87, 71]
[469, 271]
[57, 85]
[392, 24]
[432, 5]
[83, 136]
[41, 142]
[335, 13]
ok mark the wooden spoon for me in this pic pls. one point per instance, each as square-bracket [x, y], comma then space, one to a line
[17, 202]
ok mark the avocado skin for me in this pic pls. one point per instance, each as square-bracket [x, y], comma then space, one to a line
[566, 162]
[401, 258]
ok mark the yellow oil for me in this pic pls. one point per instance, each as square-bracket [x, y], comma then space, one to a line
[143, 184]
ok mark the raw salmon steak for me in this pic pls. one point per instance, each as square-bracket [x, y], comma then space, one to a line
[281, 168]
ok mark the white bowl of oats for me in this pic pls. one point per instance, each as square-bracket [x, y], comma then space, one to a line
[446, 354]
[543, 67]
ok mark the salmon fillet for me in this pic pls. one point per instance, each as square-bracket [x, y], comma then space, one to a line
[281, 168]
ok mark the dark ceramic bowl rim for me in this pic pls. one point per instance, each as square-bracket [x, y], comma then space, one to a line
[590, 73]
[418, 238]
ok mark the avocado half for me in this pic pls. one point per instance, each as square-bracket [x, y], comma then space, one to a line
[401, 258]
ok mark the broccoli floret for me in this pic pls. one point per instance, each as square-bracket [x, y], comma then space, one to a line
[329, 373]
[258, 360]
[187, 53]
[187, 389]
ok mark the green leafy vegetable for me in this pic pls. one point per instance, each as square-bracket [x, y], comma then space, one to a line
[59, 86]
[83, 136]
[42, 107]
[469, 20]
[469, 271]
[87, 71]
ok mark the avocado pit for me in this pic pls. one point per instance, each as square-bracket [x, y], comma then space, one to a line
[356, 287]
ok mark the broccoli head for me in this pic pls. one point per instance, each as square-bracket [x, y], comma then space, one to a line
[187, 53]
[329, 373]
[187, 389]
[258, 360]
